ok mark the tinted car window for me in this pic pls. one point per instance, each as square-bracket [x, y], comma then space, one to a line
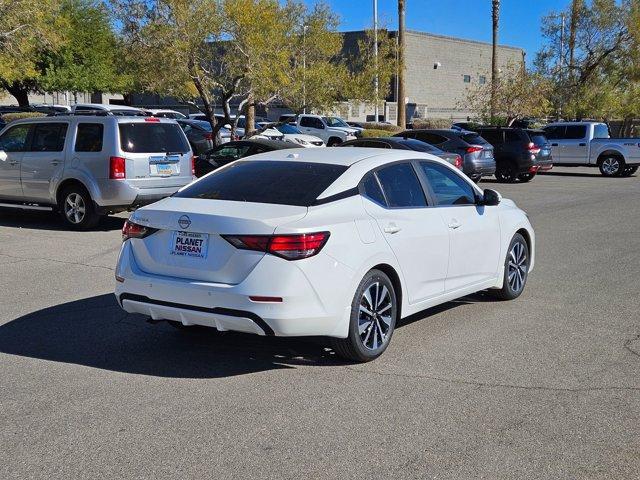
[448, 187]
[371, 189]
[149, 137]
[234, 152]
[538, 138]
[418, 146]
[575, 132]
[311, 122]
[283, 183]
[431, 138]
[600, 130]
[401, 186]
[48, 137]
[494, 137]
[473, 138]
[89, 137]
[287, 129]
[14, 139]
[512, 136]
[555, 132]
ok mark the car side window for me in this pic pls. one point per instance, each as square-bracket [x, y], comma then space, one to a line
[48, 137]
[494, 137]
[371, 190]
[575, 132]
[14, 139]
[431, 138]
[89, 137]
[311, 122]
[448, 187]
[600, 130]
[401, 186]
[511, 136]
[233, 152]
[555, 132]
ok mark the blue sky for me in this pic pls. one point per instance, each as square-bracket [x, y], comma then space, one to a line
[519, 19]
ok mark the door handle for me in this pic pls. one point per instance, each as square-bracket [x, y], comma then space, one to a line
[582, 144]
[554, 144]
[392, 228]
[453, 224]
[55, 162]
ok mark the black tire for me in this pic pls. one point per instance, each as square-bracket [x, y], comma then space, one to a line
[506, 173]
[83, 215]
[611, 166]
[511, 290]
[628, 171]
[333, 141]
[361, 347]
[526, 177]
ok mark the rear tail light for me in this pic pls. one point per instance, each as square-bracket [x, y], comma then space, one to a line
[152, 119]
[474, 149]
[117, 168]
[134, 230]
[289, 247]
[533, 148]
[458, 162]
[208, 136]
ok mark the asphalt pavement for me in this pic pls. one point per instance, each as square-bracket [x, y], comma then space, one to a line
[546, 386]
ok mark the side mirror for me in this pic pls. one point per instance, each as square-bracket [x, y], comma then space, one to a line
[3, 156]
[491, 198]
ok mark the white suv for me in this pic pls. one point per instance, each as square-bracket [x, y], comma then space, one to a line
[322, 128]
[87, 166]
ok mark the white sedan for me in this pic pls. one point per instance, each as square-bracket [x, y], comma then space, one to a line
[306, 242]
[289, 133]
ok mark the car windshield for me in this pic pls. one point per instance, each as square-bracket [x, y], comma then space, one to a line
[148, 137]
[335, 122]
[288, 129]
[282, 183]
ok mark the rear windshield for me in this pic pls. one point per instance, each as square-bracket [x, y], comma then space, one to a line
[283, 183]
[143, 137]
[538, 138]
[473, 138]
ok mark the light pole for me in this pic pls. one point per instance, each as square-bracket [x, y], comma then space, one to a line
[375, 54]
[304, 68]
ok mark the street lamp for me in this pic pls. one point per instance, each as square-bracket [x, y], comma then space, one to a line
[304, 68]
[375, 55]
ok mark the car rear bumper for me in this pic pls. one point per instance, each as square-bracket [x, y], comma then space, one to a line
[304, 308]
[117, 195]
[482, 168]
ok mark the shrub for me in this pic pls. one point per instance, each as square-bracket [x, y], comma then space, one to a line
[383, 126]
[10, 117]
[431, 123]
[375, 132]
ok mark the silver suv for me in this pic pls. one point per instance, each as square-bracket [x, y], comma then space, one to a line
[88, 166]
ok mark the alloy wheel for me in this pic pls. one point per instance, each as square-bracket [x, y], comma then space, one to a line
[74, 208]
[517, 267]
[375, 316]
[611, 166]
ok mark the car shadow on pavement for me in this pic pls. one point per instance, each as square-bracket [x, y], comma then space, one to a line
[50, 221]
[95, 332]
[595, 173]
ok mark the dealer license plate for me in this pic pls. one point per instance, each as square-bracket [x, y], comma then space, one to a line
[190, 244]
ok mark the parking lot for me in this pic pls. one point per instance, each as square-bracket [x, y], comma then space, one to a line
[547, 386]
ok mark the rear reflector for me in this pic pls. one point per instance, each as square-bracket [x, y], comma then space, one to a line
[255, 298]
[134, 230]
[474, 148]
[117, 168]
[289, 247]
[458, 162]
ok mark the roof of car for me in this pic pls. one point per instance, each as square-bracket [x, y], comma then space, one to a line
[101, 106]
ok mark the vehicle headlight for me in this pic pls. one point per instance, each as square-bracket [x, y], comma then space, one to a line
[301, 141]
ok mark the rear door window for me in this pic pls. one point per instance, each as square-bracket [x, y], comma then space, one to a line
[151, 137]
[555, 132]
[575, 132]
[473, 138]
[89, 137]
[371, 190]
[278, 182]
[432, 138]
[512, 136]
[448, 187]
[401, 186]
[48, 137]
[494, 137]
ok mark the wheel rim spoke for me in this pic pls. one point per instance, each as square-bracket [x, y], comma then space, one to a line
[375, 316]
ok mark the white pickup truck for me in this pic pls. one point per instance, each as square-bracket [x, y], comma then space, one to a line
[589, 144]
[330, 131]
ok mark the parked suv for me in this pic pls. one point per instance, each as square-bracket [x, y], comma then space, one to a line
[325, 128]
[519, 153]
[88, 166]
[476, 152]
